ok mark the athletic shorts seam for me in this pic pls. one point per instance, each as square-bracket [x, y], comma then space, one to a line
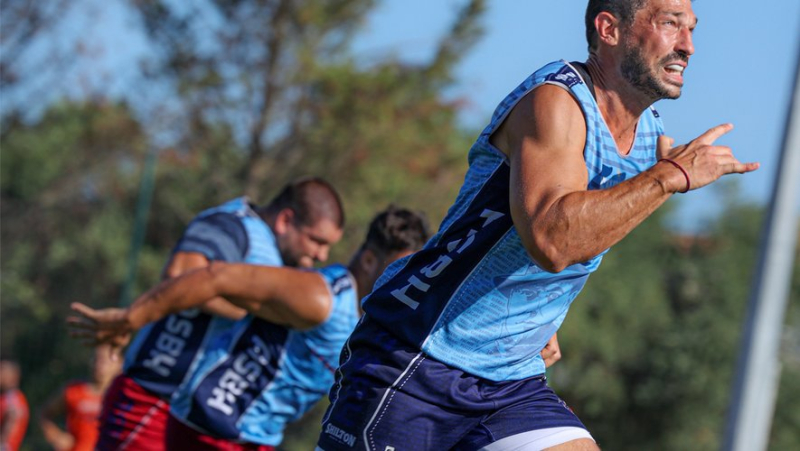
[389, 401]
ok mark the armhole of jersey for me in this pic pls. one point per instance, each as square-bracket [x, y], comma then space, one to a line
[502, 119]
[329, 287]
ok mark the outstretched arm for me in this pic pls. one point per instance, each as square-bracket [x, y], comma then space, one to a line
[295, 298]
[559, 221]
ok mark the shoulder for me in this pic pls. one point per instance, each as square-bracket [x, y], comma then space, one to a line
[222, 221]
[548, 113]
[14, 399]
[338, 278]
[218, 236]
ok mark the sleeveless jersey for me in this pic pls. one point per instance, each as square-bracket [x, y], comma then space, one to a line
[83, 405]
[473, 298]
[163, 352]
[259, 376]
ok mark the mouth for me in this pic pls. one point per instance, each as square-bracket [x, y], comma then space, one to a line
[675, 72]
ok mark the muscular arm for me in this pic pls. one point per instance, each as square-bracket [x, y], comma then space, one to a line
[298, 299]
[559, 221]
[183, 262]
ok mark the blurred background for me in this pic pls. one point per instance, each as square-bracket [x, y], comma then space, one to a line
[122, 119]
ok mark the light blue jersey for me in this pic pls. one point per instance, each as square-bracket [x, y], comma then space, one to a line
[259, 376]
[473, 298]
[163, 352]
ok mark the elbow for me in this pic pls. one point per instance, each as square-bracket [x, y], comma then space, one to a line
[548, 256]
[318, 311]
[551, 265]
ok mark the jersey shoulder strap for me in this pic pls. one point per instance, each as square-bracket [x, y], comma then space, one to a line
[583, 71]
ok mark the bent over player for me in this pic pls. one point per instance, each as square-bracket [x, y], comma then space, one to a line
[447, 353]
[275, 364]
[295, 229]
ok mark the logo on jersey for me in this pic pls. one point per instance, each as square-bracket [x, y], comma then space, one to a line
[245, 371]
[606, 178]
[340, 435]
[421, 281]
[565, 76]
[170, 343]
[340, 284]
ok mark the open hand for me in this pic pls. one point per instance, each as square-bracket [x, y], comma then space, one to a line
[551, 352]
[703, 161]
[104, 326]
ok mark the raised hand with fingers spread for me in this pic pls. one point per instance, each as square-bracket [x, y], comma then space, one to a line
[700, 162]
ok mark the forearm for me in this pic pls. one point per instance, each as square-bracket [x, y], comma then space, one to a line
[189, 290]
[58, 438]
[220, 306]
[579, 225]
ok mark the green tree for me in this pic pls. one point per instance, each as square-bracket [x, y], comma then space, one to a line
[651, 345]
[66, 184]
[69, 184]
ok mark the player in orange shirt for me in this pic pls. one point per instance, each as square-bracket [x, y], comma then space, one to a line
[80, 404]
[13, 407]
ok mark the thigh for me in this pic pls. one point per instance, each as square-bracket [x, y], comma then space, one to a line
[529, 414]
[132, 418]
[583, 444]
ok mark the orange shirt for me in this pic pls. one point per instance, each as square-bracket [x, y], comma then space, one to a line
[83, 410]
[14, 402]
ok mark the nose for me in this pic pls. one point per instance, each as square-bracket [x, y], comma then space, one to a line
[322, 254]
[685, 43]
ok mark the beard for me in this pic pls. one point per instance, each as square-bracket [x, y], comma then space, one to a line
[636, 72]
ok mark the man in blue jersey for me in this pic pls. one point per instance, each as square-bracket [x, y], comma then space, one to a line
[272, 367]
[295, 229]
[447, 353]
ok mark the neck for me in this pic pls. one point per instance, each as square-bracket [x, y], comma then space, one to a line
[620, 103]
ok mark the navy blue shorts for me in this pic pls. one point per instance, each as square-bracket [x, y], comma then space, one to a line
[402, 399]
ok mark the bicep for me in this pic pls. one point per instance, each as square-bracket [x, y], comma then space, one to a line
[545, 134]
[282, 295]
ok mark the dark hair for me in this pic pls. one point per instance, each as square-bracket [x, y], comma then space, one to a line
[311, 199]
[624, 10]
[397, 229]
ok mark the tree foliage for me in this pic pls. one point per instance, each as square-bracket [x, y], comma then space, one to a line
[651, 344]
[268, 91]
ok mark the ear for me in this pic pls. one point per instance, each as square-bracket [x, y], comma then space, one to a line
[369, 261]
[607, 27]
[283, 220]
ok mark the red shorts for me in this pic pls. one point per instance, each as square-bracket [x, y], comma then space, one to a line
[133, 418]
[181, 437]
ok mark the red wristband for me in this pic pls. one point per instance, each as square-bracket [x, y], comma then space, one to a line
[685, 174]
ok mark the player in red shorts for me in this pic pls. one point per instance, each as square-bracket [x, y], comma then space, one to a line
[79, 405]
[296, 228]
[13, 407]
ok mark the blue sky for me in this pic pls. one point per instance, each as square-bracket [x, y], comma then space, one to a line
[742, 71]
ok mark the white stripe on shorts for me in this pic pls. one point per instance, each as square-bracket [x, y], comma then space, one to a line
[538, 440]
